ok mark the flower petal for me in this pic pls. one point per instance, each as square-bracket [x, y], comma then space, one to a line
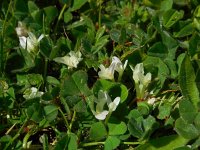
[106, 73]
[22, 41]
[113, 105]
[102, 115]
[40, 37]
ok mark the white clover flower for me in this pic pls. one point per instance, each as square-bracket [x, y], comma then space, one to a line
[31, 42]
[138, 75]
[107, 73]
[71, 60]
[21, 29]
[113, 105]
[141, 80]
[116, 65]
[101, 115]
[119, 67]
[32, 93]
[104, 98]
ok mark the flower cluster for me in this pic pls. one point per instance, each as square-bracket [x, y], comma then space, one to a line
[103, 98]
[116, 65]
[32, 92]
[71, 60]
[27, 39]
[141, 80]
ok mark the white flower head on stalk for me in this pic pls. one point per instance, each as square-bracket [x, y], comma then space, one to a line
[141, 80]
[30, 43]
[21, 29]
[31, 93]
[119, 67]
[71, 60]
[107, 73]
[138, 75]
[104, 98]
[116, 65]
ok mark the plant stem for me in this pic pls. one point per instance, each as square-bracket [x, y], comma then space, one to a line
[1, 56]
[92, 144]
[59, 17]
[99, 19]
[102, 143]
[2, 59]
[66, 122]
[107, 118]
[72, 121]
[131, 143]
[66, 107]
[25, 140]
[16, 136]
[45, 71]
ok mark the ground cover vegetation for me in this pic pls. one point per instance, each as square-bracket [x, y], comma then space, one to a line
[99, 74]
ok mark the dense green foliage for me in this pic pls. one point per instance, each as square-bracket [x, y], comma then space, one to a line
[100, 74]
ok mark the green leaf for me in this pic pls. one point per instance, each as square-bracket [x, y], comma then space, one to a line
[35, 12]
[51, 13]
[35, 79]
[46, 45]
[183, 148]
[170, 43]
[98, 131]
[143, 108]
[30, 79]
[172, 67]
[51, 112]
[67, 141]
[75, 85]
[163, 70]
[100, 44]
[185, 31]
[187, 110]
[77, 4]
[194, 44]
[187, 82]
[72, 145]
[53, 81]
[166, 5]
[111, 143]
[164, 143]
[135, 128]
[67, 16]
[34, 112]
[171, 16]
[185, 129]
[115, 35]
[32, 6]
[117, 129]
[114, 89]
[196, 144]
[149, 125]
[100, 32]
[135, 114]
[197, 121]
[158, 50]
[164, 111]
[21, 9]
